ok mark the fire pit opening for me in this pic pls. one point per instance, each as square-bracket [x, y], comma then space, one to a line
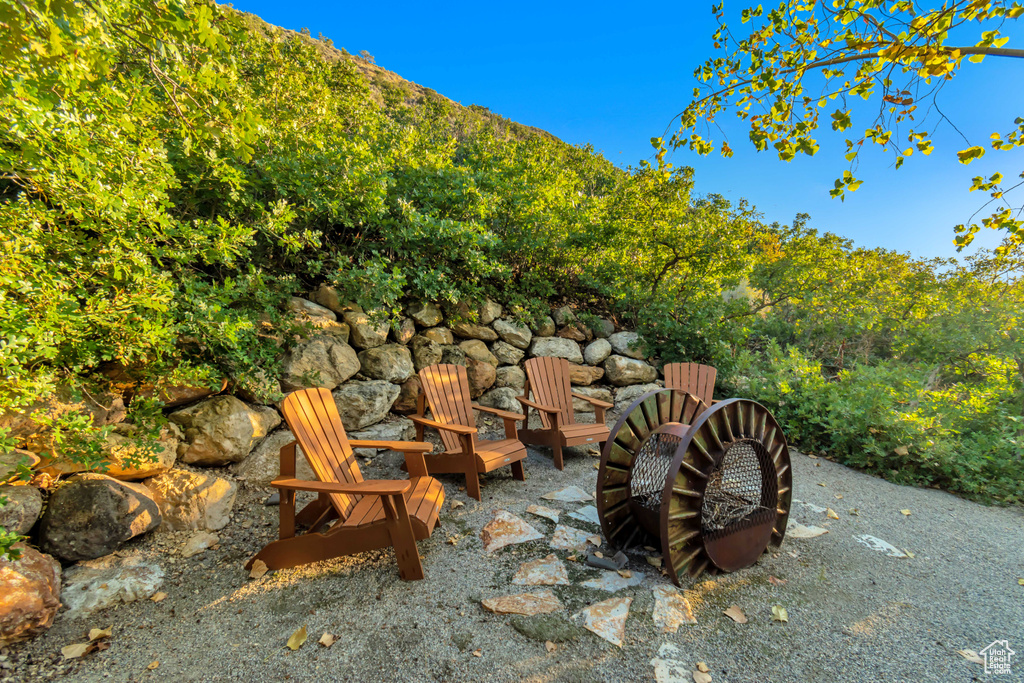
[742, 489]
[647, 481]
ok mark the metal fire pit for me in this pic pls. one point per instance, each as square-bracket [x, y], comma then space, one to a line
[711, 486]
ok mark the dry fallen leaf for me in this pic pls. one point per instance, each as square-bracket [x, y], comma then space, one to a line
[597, 465]
[701, 677]
[1020, 582]
[456, 504]
[702, 667]
[296, 640]
[854, 511]
[831, 514]
[654, 561]
[839, 496]
[77, 650]
[625, 573]
[478, 653]
[971, 656]
[909, 554]
[776, 581]
[736, 614]
[97, 633]
[259, 569]
[594, 540]
[152, 665]
[905, 513]
[812, 456]
[779, 613]
[327, 639]
[571, 558]
[598, 554]
[549, 646]
[822, 484]
[452, 540]
[650, 549]
[157, 597]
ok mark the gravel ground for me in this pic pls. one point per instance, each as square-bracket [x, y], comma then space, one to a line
[855, 614]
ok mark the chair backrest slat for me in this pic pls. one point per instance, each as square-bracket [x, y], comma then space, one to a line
[447, 391]
[549, 382]
[314, 420]
[694, 378]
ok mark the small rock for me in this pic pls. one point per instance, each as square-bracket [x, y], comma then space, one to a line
[547, 571]
[199, 542]
[627, 395]
[600, 393]
[425, 351]
[308, 310]
[608, 619]
[322, 361]
[102, 583]
[526, 604]
[602, 328]
[407, 396]
[29, 595]
[510, 376]
[574, 332]
[24, 503]
[222, 430]
[453, 355]
[488, 312]
[404, 331]
[502, 398]
[481, 377]
[264, 464]
[506, 529]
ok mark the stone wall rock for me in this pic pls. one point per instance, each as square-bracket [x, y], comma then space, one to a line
[477, 350]
[481, 376]
[404, 331]
[488, 312]
[626, 395]
[574, 331]
[556, 347]
[264, 463]
[321, 361]
[514, 333]
[628, 344]
[425, 351]
[397, 429]
[510, 376]
[563, 315]
[363, 403]
[425, 314]
[502, 398]
[24, 503]
[130, 462]
[584, 375]
[391, 362]
[624, 371]
[545, 328]
[92, 515]
[602, 328]
[474, 331]
[307, 310]
[406, 401]
[190, 500]
[453, 355]
[506, 353]
[439, 335]
[30, 591]
[222, 430]
[364, 333]
[597, 351]
[600, 393]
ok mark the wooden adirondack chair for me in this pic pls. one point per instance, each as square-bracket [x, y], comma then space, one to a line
[548, 378]
[366, 514]
[693, 378]
[446, 389]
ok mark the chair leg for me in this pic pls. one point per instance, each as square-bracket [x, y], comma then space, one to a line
[402, 538]
[556, 454]
[518, 471]
[473, 483]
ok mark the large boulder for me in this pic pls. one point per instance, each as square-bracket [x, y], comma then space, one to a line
[362, 404]
[502, 398]
[321, 361]
[24, 503]
[545, 328]
[584, 375]
[425, 314]
[481, 376]
[556, 347]
[29, 594]
[109, 581]
[264, 464]
[403, 331]
[514, 333]
[365, 333]
[600, 393]
[93, 514]
[597, 351]
[626, 395]
[563, 316]
[439, 335]
[190, 500]
[222, 430]
[506, 353]
[391, 362]
[406, 401]
[510, 376]
[425, 351]
[477, 350]
[628, 344]
[474, 331]
[453, 355]
[624, 371]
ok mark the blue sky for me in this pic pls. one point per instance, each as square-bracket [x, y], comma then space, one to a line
[615, 74]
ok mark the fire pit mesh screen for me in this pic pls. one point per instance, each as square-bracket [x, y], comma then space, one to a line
[739, 489]
[651, 468]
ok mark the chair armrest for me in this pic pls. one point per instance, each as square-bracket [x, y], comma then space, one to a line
[458, 429]
[593, 401]
[503, 414]
[403, 446]
[716, 400]
[370, 487]
[538, 406]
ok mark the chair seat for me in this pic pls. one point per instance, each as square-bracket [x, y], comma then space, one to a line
[490, 455]
[424, 501]
[576, 434]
